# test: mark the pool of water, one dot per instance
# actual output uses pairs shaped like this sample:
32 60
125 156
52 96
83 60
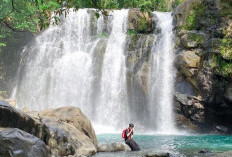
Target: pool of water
178 146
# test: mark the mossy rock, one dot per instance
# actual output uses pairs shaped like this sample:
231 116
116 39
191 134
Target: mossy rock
141 22
193 39
184 14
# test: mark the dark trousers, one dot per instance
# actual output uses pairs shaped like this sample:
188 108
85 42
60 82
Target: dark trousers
133 145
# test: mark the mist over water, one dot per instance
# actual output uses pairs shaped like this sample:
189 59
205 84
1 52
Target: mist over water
83 62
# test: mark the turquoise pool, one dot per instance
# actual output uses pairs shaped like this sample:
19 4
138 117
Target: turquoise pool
177 145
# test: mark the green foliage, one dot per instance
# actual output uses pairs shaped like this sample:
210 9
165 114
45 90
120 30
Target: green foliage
226 10
142 26
226 48
221 66
194 16
35 15
196 37
131 32
177 2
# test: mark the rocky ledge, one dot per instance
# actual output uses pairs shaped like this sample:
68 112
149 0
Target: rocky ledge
65 131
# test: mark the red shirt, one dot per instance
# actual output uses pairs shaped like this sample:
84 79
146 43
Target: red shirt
129 137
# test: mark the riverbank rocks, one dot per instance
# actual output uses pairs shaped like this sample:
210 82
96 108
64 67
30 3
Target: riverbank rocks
17 143
224 154
141 22
113 147
156 155
62 137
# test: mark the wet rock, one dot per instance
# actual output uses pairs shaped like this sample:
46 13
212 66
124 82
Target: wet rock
185 123
63 138
141 22
228 93
192 107
205 151
222 129
156 155
17 143
3 94
113 147
224 154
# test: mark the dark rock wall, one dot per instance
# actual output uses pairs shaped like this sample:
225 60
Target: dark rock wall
204 60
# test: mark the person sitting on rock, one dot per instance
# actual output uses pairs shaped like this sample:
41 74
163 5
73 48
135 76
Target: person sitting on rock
129 138
129 132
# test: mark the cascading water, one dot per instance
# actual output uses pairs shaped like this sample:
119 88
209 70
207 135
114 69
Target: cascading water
56 69
162 77
113 90
88 62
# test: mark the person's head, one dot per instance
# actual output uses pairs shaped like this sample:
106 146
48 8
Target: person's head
131 126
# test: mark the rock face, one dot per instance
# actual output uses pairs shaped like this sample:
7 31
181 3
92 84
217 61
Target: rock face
192 39
113 147
203 28
181 12
141 22
187 63
61 137
17 143
192 108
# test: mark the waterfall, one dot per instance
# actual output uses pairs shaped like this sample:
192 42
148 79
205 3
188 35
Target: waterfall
113 91
88 62
162 77
56 70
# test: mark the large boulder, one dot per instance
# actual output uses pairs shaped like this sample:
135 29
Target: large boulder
17 143
113 147
74 117
141 22
61 137
64 139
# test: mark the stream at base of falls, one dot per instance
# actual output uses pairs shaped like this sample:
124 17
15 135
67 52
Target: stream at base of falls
176 145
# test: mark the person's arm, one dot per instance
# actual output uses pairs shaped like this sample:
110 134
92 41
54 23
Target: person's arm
128 134
132 133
